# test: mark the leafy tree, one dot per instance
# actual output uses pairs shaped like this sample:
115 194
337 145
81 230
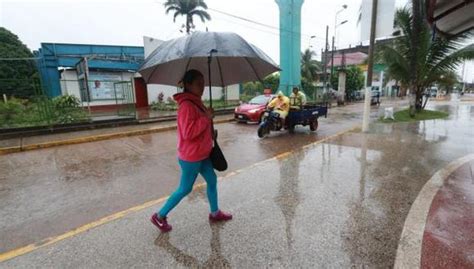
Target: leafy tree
270 82
188 8
354 80
448 81
309 66
16 73
418 60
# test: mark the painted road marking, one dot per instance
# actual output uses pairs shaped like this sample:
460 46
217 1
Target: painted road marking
410 244
54 239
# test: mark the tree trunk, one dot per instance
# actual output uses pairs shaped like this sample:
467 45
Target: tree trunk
403 91
188 24
419 100
426 102
413 98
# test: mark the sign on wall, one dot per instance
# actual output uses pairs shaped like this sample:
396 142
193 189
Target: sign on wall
101 86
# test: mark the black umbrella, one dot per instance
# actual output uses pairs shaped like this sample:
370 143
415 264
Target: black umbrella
236 60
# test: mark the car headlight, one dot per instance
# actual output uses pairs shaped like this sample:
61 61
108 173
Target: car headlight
252 111
236 109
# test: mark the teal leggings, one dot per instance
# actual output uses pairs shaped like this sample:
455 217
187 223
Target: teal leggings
189 173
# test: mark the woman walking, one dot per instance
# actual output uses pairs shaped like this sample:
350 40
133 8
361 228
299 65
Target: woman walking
194 147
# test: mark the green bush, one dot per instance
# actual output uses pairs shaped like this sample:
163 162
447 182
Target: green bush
68 110
163 106
66 101
11 111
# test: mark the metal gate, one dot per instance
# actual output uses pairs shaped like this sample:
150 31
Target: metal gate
124 98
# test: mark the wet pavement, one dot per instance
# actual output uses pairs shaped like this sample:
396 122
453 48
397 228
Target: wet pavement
340 203
38 139
50 191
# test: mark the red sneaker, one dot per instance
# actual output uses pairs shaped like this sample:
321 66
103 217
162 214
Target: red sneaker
162 224
220 216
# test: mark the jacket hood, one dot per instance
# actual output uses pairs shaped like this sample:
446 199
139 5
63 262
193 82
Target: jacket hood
181 97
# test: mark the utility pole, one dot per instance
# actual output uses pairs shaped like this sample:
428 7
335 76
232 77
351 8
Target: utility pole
368 88
332 61
325 60
462 77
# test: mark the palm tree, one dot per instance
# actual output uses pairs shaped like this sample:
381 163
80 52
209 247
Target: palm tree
309 66
417 59
188 8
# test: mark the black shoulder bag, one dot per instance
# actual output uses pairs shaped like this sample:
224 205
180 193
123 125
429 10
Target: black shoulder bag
217 157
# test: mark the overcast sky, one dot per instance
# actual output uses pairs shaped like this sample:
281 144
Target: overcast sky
125 22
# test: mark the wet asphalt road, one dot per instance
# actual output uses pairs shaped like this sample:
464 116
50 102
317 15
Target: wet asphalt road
50 191
338 204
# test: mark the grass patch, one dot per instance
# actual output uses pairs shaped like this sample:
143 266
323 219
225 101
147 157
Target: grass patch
404 116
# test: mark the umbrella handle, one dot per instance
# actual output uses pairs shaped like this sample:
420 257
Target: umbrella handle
209 74
209 59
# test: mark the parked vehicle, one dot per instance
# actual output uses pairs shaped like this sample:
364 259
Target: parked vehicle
253 110
375 98
357 96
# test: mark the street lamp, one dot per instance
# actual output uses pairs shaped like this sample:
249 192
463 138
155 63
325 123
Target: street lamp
333 47
334 36
337 13
335 21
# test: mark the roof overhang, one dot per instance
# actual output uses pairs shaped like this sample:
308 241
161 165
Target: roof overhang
451 17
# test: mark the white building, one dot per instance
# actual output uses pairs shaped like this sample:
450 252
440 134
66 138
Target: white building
385 17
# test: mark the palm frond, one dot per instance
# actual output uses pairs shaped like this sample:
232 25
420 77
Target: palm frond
172 8
451 62
201 14
398 64
201 3
176 14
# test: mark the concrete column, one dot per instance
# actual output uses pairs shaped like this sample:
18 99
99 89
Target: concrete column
342 87
290 44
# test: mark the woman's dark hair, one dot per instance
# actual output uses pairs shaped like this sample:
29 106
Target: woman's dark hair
190 76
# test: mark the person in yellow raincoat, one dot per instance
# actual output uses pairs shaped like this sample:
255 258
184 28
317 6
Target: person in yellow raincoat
281 105
297 99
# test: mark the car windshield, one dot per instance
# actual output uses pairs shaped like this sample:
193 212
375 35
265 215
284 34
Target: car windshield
260 100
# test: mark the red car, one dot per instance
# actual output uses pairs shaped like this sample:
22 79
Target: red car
253 110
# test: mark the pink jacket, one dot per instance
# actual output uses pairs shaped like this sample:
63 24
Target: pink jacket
194 128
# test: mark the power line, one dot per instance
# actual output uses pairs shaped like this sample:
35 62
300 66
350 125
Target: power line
256 22
261 30
259 23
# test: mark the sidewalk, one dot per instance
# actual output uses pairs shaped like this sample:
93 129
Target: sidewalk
342 202
51 140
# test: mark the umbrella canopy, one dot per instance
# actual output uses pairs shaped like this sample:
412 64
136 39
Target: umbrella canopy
235 61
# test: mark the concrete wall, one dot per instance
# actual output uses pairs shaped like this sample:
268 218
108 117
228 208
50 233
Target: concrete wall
168 91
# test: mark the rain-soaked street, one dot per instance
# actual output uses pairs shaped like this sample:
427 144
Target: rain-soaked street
337 204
